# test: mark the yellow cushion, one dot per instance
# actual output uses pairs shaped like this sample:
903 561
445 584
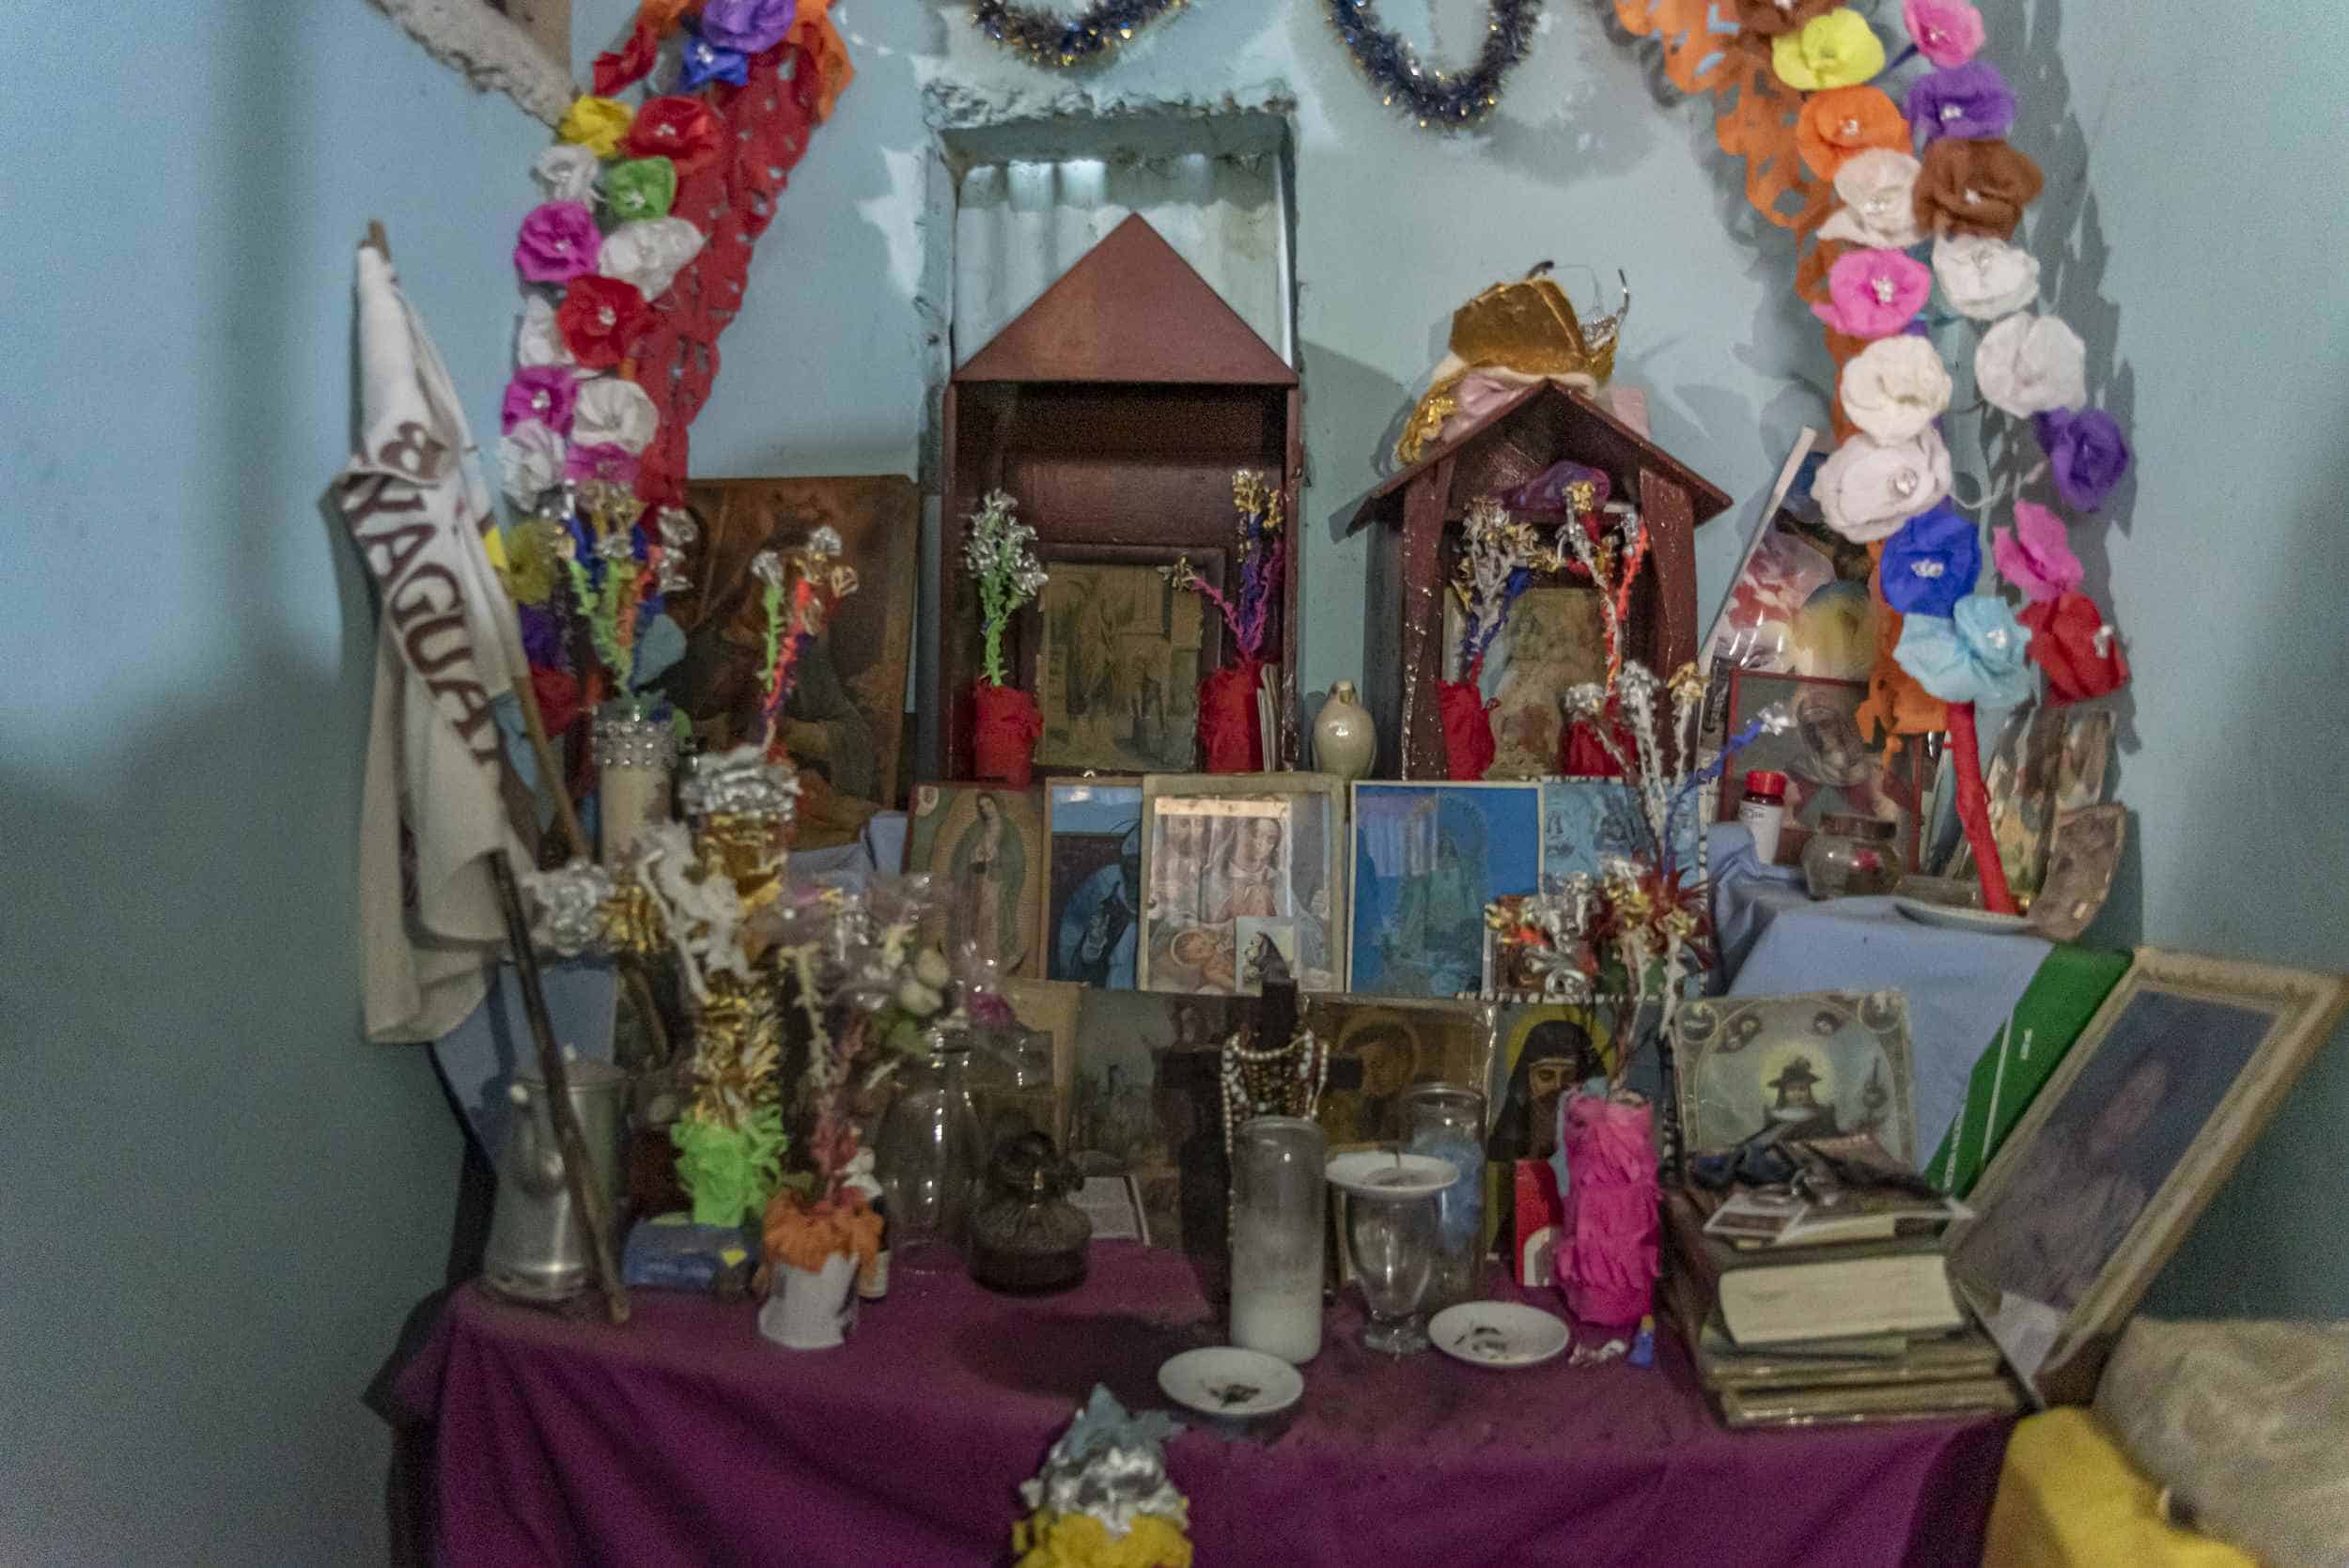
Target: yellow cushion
2068 1498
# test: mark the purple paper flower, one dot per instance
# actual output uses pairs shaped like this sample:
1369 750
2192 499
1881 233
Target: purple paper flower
2036 557
546 393
543 637
615 465
558 242
747 25
705 62
1971 101
2086 450
1931 563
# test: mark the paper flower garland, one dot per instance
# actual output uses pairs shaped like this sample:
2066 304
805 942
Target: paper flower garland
2029 365
1877 189
1984 278
1931 564
1836 49
1974 655
1971 101
2036 556
2086 451
1874 293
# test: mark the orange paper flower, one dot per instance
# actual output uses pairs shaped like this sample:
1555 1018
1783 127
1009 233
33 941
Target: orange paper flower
1847 121
1766 19
1975 187
813 33
803 1235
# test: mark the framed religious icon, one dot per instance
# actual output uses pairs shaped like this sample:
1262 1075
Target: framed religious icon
1236 865
1541 1050
1555 637
1092 894
1830 767
1146 1102
1118 654
844 719
2047 761
1782 1070
1588 822
983 847
2125 1145
1048 1008
1379 1048
1427 858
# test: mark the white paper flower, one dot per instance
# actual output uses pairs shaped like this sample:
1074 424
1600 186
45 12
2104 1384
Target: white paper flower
530 463
614 411
1895 387
567 172
649 253
1985 277
1867 488
538 341
1877 188
2029 365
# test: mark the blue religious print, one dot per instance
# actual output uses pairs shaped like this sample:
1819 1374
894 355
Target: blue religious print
1427 859
1095 918
1588 822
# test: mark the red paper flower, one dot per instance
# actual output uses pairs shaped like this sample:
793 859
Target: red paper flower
601 317
682 129
631 62
557 692
2072 641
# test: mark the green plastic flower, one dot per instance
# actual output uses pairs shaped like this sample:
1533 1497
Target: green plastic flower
1837 50
640 188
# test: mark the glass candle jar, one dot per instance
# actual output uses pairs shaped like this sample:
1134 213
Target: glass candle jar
929 1158
1447 1120
1850 856
635 756
1277 1196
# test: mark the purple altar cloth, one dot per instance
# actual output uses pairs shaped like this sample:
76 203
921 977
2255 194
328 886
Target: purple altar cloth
685 1437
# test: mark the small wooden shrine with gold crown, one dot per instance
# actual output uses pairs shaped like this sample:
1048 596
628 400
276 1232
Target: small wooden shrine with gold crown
1516 395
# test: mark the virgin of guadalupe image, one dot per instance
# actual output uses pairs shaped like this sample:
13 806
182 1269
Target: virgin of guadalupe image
990 869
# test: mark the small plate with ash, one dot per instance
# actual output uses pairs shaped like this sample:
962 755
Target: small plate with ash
1225 1381
1498 1334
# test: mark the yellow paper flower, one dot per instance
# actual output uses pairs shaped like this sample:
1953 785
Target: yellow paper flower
1837 50
1081 1541
599 123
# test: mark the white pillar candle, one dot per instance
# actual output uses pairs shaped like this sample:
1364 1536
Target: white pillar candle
633 758
1277 1200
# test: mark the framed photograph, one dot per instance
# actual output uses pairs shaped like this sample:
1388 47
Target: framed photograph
1221 850
1831 768
1377 1049
1145 1101
1093 895
1555 637
1118 656
983 846
1587 822
844 720
1780 1069
2139 1126
1427 858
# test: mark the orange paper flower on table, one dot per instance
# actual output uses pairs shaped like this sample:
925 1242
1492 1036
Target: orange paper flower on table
682 129
1766 19
1846 121
1975 187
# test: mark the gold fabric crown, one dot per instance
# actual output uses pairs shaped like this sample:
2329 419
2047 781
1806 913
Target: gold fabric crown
1528 328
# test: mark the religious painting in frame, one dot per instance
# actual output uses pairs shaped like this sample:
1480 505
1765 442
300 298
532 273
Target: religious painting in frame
2047 761
1831 768
1782 1070
1555 637
844 720
1227 856
1379 1047
1118 656
1093 895
1426 859
1145 1101
2132 1136
1588 822
1048 1008
982 845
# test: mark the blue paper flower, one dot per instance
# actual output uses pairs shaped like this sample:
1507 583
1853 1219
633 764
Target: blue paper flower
705 62
1974 655
1931 563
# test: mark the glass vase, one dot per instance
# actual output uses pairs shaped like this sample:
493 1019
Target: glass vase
1447 1120
929 1158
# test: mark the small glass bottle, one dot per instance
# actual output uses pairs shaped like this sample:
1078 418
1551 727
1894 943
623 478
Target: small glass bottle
1763 810
1850 856
1277 1197
1447 1120
929 1158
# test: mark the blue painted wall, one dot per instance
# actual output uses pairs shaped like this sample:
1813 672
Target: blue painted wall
253 1197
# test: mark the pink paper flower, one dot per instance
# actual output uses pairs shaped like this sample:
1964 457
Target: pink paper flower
612 464
2036 556
547 394
1874 293
558 242
1947 32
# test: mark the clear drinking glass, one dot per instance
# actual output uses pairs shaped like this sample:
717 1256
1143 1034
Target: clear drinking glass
1394 1243
1277 1195
1447 1120
929 1158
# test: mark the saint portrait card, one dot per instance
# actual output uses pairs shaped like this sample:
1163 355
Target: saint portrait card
1235 863
1427 858
1093 897
1831 768
983 847
1764 1070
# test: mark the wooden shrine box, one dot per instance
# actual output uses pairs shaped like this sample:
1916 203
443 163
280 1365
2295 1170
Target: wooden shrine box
1412 551
1114 410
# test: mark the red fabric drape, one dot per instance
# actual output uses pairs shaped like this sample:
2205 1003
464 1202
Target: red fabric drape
1229 741
1467 728
1003 733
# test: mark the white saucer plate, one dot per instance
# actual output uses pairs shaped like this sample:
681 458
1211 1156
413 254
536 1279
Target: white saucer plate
1224 1380
1953 917
1498 1334
1383 1173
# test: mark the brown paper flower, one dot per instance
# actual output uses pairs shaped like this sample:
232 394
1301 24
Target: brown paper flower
1768 17
1975 187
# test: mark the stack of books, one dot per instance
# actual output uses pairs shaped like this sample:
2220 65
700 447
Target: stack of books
1800 1315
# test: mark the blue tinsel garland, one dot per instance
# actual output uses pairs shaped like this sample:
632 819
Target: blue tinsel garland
1064 42
1437 100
